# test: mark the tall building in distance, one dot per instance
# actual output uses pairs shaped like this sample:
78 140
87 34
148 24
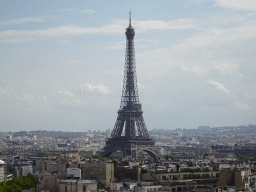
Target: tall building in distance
135 137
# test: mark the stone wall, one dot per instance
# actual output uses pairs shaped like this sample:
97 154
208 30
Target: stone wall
49 182
231 178
149 177
238 180
102 172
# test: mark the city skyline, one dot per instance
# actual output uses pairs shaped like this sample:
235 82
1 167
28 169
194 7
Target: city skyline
62 63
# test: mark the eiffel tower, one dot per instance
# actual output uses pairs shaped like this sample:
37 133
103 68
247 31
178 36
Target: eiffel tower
136 137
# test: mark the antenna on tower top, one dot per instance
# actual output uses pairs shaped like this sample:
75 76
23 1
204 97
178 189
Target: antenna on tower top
130 19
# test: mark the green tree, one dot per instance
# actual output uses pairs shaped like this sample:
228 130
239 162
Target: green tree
57 154
106 159
245 157
45 154
15 188
97 157
1 188
86 155
15 185
32 178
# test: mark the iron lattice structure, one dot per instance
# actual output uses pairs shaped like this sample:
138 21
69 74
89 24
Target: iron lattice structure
135 137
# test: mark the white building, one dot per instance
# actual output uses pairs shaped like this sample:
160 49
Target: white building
23 170
2 170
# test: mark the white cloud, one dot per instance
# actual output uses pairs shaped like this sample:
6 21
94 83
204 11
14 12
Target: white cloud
100 87
142 26
18 101
45 99
215 50
197 70
61 31
224 18
141 86
116 28
219 86
88 11
64 98
78 101
217 35
62 41
23 20
27 97
8 90
16 40
248 5
250 94
41 103
242 106
225 67
74 61
66 93
116 47
148 40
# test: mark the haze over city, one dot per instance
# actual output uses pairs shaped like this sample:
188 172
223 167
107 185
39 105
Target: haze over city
62 63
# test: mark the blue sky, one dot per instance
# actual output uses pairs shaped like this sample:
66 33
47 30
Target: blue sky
62 63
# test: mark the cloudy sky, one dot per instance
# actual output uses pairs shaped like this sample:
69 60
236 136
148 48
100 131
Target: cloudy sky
62 63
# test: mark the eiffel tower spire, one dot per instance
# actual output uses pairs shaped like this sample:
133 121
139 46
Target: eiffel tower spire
136 137
130 20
